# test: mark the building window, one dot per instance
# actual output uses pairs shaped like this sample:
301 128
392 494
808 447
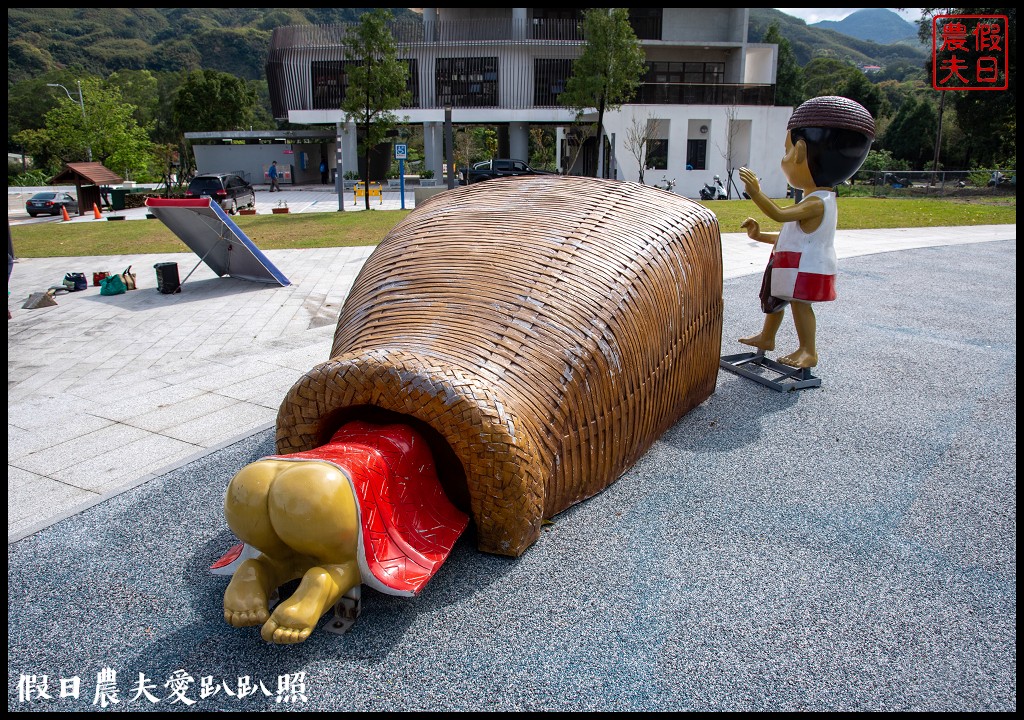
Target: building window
549 77
467 82
646 23
330 82
696 154
676 83
555 13
557 23
657 154
412 83
689 72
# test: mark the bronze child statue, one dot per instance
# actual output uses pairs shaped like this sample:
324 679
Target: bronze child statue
827 141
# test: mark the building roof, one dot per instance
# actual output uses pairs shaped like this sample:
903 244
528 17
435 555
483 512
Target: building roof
92 173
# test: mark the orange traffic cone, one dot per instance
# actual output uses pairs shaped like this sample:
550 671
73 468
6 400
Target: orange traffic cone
64 212
96 212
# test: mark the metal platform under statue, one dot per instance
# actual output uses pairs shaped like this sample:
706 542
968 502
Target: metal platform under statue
769 372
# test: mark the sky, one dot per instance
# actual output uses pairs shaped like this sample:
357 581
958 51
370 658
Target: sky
813 15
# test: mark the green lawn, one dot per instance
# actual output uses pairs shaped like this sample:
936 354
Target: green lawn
337 229
863 213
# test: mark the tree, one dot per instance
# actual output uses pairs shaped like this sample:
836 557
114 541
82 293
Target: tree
164 165
789 82
858 87
262 118
638 138
138 88
576 138
911 134
542 148
107 128
377 82
827 76
878 162
28 101
473 144
732 130
609 70
208 101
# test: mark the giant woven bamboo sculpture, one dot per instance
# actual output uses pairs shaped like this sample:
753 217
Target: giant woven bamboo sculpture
542 332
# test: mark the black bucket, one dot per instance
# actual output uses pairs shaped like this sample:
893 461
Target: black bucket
167 280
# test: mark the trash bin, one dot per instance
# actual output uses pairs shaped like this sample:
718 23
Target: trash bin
117 198
167 280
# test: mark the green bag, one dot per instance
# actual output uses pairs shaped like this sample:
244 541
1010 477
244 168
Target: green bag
112 285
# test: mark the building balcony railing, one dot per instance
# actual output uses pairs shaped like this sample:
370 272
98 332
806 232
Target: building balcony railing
488 95
444 32
462 31
705 94
407 34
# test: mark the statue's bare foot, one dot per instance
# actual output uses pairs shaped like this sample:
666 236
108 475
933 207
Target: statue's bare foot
294 619
762 343
800 359
245 600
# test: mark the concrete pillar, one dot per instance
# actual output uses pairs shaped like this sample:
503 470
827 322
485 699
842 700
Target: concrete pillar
559 139
349 148
344 158
430 24
519 141
449 147
432 146
519 23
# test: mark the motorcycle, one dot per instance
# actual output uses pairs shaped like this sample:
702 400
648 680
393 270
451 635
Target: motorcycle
998 179
666 184
716 192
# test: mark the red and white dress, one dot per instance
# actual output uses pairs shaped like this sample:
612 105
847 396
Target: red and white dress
804 265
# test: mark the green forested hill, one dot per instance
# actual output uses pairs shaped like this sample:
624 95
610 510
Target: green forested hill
102 40
880 25
809 42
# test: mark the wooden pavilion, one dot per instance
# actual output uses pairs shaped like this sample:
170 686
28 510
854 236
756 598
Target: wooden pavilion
88 178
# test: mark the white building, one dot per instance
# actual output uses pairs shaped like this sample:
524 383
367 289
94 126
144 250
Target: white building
708 92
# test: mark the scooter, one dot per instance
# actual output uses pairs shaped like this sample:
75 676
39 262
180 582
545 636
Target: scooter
666 184
997 179
716 192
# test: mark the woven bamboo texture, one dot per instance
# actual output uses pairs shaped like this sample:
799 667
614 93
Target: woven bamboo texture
549 329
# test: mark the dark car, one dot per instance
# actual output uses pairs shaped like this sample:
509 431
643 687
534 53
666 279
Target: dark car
50 202
496 168
230 191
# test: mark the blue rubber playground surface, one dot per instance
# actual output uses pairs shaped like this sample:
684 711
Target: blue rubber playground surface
847 547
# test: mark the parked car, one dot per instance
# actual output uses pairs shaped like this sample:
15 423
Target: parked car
50 202
231 192
499 167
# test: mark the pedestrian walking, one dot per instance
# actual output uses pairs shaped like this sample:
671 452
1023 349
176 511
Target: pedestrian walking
272 174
